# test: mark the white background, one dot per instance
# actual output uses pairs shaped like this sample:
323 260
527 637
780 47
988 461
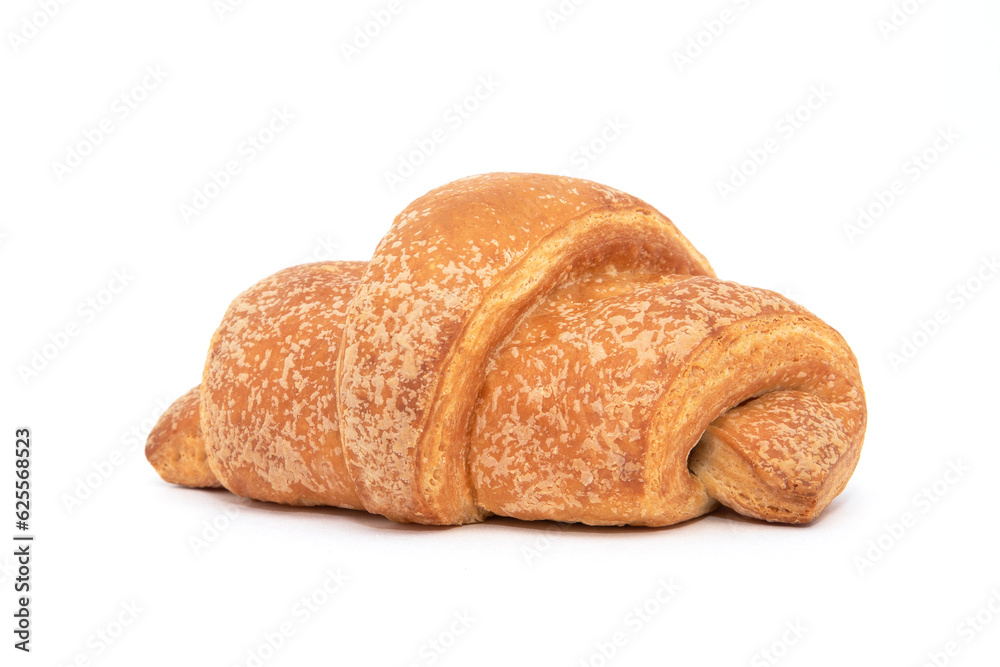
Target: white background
538 594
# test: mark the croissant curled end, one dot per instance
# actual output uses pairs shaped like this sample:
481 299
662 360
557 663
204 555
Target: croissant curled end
176 448
784 456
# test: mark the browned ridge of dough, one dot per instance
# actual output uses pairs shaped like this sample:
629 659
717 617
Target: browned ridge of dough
267 395
525 345
446 285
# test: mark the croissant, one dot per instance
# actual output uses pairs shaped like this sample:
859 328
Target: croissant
529 346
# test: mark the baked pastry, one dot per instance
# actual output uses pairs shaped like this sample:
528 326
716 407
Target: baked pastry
524 345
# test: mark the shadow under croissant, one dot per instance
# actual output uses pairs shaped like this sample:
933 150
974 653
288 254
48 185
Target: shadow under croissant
379 522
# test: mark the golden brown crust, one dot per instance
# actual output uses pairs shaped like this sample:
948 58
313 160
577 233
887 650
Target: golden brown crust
792 353
781 457
175 447
537 347
591 409
446 285
268 408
